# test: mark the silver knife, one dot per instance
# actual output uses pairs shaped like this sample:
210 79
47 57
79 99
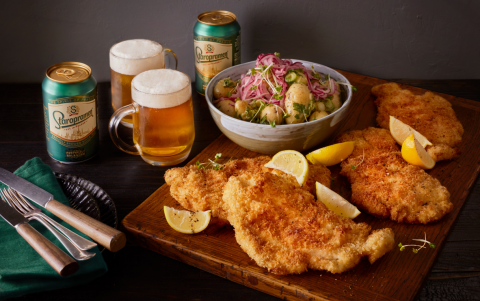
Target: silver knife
106 236
63 264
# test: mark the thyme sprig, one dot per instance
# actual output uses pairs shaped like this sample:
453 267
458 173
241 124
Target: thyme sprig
419 247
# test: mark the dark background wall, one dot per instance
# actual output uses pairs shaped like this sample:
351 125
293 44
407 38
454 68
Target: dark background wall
385 39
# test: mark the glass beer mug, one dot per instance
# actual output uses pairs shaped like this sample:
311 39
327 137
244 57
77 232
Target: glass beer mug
162 114
130 58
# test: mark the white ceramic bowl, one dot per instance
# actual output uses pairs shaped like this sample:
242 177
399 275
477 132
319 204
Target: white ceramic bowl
263 138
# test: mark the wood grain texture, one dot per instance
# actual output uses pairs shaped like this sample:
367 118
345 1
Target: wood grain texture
63 264
110 238
397 276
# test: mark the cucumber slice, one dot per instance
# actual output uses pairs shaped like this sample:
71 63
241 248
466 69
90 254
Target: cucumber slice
291 77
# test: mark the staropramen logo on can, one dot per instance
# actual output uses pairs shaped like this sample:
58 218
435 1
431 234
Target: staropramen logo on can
209 56
72 122
212 55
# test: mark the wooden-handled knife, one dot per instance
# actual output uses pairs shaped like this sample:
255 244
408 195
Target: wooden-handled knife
63 264
106 236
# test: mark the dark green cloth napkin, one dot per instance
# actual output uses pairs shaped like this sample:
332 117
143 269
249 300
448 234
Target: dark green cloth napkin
22 270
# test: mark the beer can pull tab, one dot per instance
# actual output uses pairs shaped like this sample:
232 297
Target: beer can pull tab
217 17
65 72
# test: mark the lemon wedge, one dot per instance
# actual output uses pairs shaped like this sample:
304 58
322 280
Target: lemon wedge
414 153
335 202
332 154
186 221
400 131
291 162
311 158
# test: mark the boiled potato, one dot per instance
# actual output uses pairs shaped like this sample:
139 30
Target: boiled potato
301 79
220 90
226 106
317 115
274 114
240 107
320 106
258 103
337 103
297 93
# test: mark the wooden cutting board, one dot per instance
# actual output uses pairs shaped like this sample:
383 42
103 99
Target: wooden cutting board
396 276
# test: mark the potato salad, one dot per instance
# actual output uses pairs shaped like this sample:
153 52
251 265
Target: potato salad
278 91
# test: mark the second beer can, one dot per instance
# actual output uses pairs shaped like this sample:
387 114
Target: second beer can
216 42
71 112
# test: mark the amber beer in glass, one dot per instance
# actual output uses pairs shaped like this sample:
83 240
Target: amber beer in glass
162 113
128 59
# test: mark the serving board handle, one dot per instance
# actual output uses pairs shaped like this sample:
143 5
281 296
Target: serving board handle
110 238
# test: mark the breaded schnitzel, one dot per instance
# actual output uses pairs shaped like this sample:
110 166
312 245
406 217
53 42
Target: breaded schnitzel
429 114
283 229
386 186
201 189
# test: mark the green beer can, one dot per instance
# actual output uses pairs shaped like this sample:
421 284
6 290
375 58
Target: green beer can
71 112
216 42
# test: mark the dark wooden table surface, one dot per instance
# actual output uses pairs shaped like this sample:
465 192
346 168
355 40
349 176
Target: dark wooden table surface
139 274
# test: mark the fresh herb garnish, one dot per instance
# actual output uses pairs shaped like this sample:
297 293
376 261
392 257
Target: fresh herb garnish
253 87
213 164
200 165
353 167
227 82
277 54
354 89
302 110
229 94
259 110
415 250
249 112
278 88
253 71
272 124
277 96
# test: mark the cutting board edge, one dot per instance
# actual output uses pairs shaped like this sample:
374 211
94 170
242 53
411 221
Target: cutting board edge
228 270
465 102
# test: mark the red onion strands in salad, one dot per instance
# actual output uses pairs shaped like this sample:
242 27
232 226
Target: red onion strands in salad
268 75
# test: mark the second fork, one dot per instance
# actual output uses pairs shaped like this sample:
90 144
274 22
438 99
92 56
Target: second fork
72 249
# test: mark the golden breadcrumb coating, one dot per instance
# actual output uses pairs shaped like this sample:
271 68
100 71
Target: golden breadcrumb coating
201 189
386 186
429 114
283 229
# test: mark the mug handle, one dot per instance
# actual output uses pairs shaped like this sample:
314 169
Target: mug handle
113 125
170 52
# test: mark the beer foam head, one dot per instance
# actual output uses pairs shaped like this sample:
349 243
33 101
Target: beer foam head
132 57
161 88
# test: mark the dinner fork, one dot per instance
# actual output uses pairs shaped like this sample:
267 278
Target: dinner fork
76 253
77 240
